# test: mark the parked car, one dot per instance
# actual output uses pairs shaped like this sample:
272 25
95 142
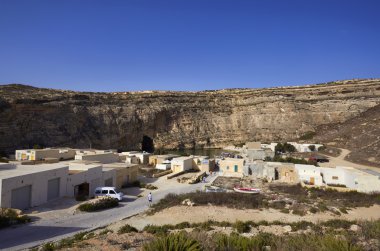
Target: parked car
319 159
108 191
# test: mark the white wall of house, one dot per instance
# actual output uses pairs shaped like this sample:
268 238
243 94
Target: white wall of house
181 164
101 157
109 173
37 178
163 166
336 176
308 173
91 175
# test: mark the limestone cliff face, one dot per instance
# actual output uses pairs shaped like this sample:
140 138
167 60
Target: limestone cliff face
175 119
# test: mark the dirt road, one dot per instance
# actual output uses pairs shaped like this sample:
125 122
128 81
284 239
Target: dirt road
340 161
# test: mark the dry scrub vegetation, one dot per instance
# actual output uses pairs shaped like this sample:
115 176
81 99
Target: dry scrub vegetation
334 235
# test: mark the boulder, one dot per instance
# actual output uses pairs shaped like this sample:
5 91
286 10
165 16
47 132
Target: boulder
354 228
287 228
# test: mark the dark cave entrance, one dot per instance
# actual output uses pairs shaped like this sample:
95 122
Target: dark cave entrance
147 144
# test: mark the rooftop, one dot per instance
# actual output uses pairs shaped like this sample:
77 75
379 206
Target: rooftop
29 169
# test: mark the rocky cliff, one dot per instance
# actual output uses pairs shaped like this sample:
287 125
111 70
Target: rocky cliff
50 117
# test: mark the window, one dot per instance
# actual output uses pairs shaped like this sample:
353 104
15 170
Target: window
235 168
335 177
112 192
98 191
104 191
227 167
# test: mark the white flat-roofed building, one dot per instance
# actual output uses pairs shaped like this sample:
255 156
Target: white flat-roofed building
181 164
27 186
46 153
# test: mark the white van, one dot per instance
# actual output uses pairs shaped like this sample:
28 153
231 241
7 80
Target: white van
108 191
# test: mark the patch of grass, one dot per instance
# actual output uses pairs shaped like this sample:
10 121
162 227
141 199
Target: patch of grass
242 227
337 223
173 242
127 229
182 225
159 230
370 229
237 242
101 204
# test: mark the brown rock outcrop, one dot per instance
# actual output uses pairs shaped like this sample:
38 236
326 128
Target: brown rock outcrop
176 119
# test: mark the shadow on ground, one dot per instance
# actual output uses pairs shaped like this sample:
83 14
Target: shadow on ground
10 238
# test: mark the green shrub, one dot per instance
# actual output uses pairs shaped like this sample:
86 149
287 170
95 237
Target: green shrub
182 225
103 203
48 246
238 242
301 225
336 223
242 227
9 217
105 231
160 230
313 210
127 229
343 210
370 229
322 207
173 242
314 242
308 135
278 204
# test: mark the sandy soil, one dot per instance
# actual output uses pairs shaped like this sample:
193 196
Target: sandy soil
195 214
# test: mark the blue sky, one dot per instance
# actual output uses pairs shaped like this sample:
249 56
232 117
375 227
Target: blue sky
99 45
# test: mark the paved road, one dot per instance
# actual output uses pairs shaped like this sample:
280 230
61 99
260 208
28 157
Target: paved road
47 230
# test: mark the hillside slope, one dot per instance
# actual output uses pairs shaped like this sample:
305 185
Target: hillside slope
360 134
50 117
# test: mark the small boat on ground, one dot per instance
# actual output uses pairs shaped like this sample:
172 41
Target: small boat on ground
246 190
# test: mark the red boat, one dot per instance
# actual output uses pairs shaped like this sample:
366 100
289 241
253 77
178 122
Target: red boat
246 190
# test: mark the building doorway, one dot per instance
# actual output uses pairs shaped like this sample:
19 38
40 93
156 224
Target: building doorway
82 190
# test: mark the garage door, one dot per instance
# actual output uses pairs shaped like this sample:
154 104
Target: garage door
53 189
21 197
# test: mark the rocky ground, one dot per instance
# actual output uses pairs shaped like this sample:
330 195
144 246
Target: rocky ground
361 135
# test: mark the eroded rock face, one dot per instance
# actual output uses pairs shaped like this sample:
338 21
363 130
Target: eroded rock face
175 119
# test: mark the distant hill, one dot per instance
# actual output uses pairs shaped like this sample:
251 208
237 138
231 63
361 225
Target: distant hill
127 120
360 134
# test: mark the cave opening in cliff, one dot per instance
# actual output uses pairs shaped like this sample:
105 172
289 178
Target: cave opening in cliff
147 144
